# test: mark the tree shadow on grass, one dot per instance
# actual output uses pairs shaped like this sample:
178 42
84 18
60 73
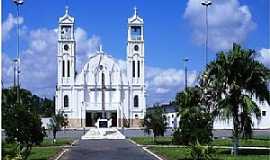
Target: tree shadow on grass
160 142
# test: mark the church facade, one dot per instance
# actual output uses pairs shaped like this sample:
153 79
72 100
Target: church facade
101 90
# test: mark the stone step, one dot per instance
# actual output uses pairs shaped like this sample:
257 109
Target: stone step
103 133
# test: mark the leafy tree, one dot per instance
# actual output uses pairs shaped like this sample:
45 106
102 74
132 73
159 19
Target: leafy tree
232 82
21 122
195 121
56 123
44 106
47 107
156 121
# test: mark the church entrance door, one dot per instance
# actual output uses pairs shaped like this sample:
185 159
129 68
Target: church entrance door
88 120
114 119
92 117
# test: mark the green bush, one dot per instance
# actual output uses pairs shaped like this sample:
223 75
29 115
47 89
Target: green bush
196 121
199 152
177 137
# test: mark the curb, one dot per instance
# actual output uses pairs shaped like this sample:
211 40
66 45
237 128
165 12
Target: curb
145 149
222 147
65 149
61 154
139 145
150 152
74 142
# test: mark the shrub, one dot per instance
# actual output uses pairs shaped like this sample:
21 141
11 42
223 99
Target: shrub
177 138
199 152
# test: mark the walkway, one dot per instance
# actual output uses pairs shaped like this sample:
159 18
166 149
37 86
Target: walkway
106 150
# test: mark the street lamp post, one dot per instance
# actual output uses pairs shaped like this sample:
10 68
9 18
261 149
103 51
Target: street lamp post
18 3
14 70
206 3
185 65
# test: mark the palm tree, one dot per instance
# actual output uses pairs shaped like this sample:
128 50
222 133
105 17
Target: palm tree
195 121
156 121
233 81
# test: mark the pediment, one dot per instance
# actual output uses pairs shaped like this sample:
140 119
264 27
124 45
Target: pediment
135 20
66 19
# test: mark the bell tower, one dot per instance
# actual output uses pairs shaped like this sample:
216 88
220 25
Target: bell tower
66 50
135 69
135 50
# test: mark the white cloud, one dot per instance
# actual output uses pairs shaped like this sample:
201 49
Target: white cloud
85 46
9 24
7 70
265 56
228 22
163 84
162 90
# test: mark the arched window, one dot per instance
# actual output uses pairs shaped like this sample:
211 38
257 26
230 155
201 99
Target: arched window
103 79
133 68
136 101
66 101
63 68
138 64
68 68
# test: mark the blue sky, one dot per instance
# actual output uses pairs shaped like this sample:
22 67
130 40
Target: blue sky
173 30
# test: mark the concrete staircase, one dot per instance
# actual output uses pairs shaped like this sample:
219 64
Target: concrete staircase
103 133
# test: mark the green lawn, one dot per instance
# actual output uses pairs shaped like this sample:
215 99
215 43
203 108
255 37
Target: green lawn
59 142
221 154
40 152
43 153
244 143
150 140
216 142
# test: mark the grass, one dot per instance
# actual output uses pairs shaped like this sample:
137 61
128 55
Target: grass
244 143
221 154
217 142
150 140
40 152
43 153
59 142
264 137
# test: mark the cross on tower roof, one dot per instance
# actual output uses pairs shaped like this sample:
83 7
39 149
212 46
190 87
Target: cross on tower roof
100 49
135 10
67 9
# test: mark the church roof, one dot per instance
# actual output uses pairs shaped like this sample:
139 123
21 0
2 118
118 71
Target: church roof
102 62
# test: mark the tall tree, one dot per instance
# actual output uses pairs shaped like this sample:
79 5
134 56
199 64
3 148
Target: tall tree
155 120
21 122
47 107
232 82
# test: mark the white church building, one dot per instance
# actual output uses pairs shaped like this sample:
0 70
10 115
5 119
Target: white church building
101 90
